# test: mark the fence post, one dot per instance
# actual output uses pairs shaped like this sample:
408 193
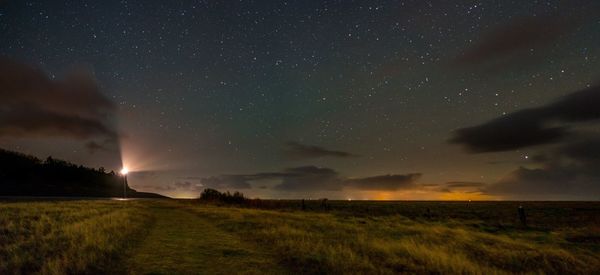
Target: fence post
522 216
324 204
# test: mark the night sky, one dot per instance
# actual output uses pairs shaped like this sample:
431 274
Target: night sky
311 99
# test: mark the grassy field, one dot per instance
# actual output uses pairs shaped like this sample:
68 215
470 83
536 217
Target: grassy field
68 237
181 237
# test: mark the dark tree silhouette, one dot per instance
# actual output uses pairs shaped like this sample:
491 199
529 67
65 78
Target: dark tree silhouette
213 195
24 175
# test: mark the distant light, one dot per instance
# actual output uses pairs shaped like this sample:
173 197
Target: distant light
124 171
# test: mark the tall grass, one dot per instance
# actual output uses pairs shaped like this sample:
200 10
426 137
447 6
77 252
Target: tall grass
67 237
326 243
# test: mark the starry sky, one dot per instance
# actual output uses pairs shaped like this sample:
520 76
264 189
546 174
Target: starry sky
310 99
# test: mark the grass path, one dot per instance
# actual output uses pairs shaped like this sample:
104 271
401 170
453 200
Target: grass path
183 243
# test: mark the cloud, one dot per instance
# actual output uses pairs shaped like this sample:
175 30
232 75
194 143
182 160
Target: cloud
33 121
517 130
176 186
227 182
533 126
156 188
384 182
309 178
518 36
188 185
297 150
297 178
313 178
460 184
584 151
570 169
93 146
33 105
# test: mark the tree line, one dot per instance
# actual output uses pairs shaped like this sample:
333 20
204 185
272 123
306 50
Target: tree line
25 175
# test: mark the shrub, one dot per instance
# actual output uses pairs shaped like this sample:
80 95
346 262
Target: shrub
213 195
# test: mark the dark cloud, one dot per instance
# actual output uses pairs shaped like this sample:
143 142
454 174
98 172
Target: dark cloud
313 178
297 178
32 121
518 36
462 187
533 126
586 150
33 105
106 146
384 182
430 185
297 150
188 185
177 186
228 182
157 187
460 184
570 169
567 169
309 178
94 147
517 130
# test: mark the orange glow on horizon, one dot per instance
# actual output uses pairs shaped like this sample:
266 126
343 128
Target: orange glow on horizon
462 196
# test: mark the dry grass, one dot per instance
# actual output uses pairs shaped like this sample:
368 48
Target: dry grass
67 237
92 237
326 243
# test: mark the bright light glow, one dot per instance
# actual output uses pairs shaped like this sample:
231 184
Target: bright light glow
124 171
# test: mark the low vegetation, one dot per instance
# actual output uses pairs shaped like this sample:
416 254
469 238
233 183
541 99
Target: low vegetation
212 195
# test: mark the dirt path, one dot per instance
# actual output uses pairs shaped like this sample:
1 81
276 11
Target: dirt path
183 243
